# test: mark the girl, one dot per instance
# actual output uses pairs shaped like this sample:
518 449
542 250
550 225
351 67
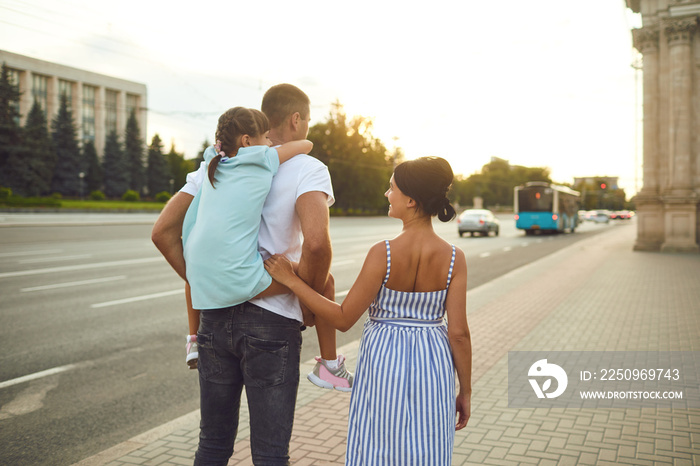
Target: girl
220 231
402 409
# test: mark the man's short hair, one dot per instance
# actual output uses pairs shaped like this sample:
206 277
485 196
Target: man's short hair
281 101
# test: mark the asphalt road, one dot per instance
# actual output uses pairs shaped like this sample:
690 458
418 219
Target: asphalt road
92 323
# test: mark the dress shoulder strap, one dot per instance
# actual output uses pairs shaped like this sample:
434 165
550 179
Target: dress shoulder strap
452 265
388 261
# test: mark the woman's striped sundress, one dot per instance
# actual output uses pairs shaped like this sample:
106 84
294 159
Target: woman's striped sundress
402 409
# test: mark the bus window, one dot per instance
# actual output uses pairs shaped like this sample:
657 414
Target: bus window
535 200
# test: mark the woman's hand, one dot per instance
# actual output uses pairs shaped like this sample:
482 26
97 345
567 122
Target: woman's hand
281 269
464 409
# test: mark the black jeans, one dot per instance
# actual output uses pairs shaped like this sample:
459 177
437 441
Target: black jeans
239 346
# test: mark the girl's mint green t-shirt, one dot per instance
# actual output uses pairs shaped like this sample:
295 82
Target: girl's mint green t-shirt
220 230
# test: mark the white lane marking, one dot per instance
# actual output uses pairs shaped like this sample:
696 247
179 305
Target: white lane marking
353 239
507 248
54 259
30 253
485 254
37 375
70 268
139 298
344 262
67 284
340 294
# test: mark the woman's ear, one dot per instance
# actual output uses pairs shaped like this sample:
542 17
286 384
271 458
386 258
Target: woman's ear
411 202
245 141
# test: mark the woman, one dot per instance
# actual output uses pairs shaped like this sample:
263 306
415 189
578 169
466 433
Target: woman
402 409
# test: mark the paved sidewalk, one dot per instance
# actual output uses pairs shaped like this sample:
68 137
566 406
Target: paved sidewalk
596 295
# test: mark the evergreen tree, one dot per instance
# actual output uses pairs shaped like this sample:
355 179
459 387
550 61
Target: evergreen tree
133 154
10 131
178 166
158 173
114 167
68 157
93 170
35 168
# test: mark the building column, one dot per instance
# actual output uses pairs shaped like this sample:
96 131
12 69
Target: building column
100 127
25 100
680 201
78 111
53 103
122 117
650 215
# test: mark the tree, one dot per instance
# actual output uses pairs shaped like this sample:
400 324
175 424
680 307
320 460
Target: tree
34 170
133 154
359 163
495 183
178 166
157 173
68 155
92 169
114 167
10 131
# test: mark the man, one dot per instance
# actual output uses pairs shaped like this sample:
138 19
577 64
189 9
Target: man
257 344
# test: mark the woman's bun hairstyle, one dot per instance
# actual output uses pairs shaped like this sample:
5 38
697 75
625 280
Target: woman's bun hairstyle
427 181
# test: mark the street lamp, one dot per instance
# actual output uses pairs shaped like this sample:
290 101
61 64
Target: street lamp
81 175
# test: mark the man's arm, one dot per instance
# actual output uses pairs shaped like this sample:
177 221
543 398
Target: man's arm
316 253
167 231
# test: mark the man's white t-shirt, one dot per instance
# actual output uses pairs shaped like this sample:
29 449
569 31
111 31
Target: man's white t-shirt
280 228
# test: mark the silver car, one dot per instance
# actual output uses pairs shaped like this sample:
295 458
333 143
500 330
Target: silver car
480 221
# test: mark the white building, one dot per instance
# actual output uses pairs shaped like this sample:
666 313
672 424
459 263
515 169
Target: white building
100 104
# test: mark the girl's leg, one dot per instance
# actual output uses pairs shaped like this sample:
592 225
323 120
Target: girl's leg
192 314
329 371
324 330
192 353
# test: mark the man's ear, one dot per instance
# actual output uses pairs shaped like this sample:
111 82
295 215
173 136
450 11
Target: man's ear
294 120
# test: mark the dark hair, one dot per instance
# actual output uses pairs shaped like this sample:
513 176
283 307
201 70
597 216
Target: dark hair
233 124
282 100
427 180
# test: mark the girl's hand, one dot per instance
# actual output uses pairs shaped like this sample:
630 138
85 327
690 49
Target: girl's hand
464 409
280 269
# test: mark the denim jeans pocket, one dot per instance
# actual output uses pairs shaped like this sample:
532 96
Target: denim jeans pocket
208 364
265 361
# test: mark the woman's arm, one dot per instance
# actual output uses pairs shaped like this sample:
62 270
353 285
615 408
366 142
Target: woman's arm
459 336
289 149
360 296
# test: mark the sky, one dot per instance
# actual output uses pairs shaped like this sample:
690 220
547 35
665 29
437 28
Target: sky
547 83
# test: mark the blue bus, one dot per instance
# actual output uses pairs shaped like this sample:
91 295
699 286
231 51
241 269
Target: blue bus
540 206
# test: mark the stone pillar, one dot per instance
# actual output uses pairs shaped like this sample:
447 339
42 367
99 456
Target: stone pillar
650 215
680 201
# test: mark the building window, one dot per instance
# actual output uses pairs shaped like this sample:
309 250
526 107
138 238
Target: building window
132 105
89 113
111 111
66 88
40 86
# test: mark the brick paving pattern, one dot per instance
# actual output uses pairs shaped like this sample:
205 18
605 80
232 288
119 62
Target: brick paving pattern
596 295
